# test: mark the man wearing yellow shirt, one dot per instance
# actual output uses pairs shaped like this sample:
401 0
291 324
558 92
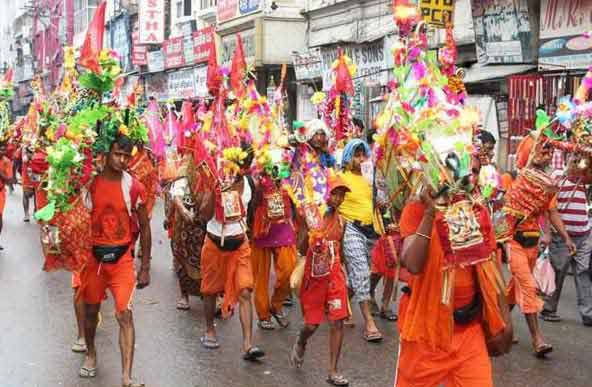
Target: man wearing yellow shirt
359 236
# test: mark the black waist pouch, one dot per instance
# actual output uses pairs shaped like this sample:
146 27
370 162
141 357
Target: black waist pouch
468 313
367 230
109 254
526 241
230 244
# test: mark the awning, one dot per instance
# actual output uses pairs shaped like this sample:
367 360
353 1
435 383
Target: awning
479 73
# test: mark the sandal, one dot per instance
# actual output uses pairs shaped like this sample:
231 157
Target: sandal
388 316
337 380
288 301
542 350
295 360
253 354
79 346
209 342
182 304
87 373
280 318
133 384
266 325
373 337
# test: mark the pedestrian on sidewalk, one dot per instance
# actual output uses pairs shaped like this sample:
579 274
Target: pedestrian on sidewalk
572 204
323 291
117 207
359 236
226 254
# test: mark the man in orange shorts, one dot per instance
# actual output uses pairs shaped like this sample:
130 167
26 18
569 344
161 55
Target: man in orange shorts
114 198
5 178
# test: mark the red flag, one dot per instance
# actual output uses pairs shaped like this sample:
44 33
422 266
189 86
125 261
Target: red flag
214 80
343 79
238 70
93 42
8 75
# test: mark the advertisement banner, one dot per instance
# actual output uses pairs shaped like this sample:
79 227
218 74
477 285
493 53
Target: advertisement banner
308 65
181 84
438 13
502 31
561 43
202 41
151 19
173 53
231 9
156 85
119 39
188 53
155 61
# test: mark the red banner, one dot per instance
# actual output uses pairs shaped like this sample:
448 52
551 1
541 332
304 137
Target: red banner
173 53
202 41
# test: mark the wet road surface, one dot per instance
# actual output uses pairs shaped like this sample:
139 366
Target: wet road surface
37 328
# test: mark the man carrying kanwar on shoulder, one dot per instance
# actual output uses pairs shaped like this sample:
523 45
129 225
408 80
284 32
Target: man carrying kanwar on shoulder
226 254
454 314
116 200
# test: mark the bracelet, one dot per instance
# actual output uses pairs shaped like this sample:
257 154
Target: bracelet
424 236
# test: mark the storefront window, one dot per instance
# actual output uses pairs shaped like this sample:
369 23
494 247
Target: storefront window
205 4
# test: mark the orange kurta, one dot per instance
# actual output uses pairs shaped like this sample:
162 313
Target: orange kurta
433 348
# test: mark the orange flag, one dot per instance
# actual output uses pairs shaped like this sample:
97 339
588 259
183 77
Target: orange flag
214 80
238 70
93 42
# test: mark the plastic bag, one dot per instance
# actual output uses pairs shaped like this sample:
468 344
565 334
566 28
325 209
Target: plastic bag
544 274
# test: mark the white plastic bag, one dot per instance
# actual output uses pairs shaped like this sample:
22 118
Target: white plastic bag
544 274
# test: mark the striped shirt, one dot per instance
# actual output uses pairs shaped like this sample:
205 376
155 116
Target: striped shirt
572 205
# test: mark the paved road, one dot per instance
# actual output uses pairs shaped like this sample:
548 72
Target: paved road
37 327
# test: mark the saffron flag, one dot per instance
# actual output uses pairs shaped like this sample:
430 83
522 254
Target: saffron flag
214 80
93 42
238 70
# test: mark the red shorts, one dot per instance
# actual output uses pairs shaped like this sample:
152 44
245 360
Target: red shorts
2 200
324 295
119 278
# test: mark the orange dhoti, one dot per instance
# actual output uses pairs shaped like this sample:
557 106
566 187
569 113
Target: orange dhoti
465 364
225 272
284 261
522 289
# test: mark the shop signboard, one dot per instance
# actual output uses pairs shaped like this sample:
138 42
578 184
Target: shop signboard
232 9
151 19
502 31
119 39
249 47
308 65
370 59
181 84
562 44
173 53
139 52
438 13
188 52
155 61
202 41
200 77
